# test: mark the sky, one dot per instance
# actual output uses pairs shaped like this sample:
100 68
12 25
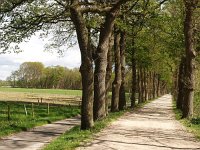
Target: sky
33 50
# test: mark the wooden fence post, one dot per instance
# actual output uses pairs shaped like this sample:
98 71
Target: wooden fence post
25 109
48 108
9 113
33 114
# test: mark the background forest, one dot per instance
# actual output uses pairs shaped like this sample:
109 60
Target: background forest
35 75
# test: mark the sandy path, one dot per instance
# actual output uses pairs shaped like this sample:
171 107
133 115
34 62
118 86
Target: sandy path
151 128
37 137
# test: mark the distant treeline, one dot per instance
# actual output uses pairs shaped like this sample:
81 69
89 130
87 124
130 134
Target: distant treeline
36 75
4 83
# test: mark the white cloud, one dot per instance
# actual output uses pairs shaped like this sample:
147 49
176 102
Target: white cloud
34 51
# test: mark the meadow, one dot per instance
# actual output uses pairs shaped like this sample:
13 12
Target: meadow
43 91
53 96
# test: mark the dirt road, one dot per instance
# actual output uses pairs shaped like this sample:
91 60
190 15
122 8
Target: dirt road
151 128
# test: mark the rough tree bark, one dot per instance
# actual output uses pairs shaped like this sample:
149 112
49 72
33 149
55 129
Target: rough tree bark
134 77
122 96
142 84
101 61
117 81
86 68
181 74
158 86
150 85
145 84
154 85
139 85
175 84
109 72
189 81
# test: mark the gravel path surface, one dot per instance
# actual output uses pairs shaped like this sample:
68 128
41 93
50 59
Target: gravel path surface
150 128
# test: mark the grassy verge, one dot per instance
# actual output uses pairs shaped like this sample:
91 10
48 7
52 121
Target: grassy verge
19 121
72 139
192 125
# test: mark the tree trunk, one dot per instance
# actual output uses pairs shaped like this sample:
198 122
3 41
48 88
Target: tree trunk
108 73
158 86
117 81
142 84
154 85
175 84
122 96
86 68
190 59
134 78
181 74
139 85
150 85
164 87
87 96
101 63
145 84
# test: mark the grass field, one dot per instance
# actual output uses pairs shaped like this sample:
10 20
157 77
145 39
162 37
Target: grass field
43 91
20 122
55 96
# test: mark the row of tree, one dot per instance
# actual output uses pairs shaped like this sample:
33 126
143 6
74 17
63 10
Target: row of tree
148 34
35 75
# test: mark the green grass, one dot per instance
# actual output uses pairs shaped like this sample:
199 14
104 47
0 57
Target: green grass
20 122
43 91
192 125
73 138
48 91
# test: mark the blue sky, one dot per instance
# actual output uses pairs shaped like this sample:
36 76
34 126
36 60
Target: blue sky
33 50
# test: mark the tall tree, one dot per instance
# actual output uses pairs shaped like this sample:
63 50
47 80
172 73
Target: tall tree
109 72
122 96
86 68
190 54
101 62
117 81
181 75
